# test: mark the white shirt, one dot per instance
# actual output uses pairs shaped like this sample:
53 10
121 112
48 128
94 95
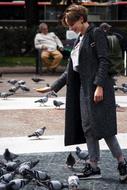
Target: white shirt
75 54
50 40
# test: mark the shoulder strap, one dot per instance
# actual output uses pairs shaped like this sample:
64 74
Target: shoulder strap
92 34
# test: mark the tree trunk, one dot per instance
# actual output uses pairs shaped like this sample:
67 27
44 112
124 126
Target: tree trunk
31 13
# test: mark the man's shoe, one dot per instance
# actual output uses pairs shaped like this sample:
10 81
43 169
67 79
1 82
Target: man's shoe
122 167
89 173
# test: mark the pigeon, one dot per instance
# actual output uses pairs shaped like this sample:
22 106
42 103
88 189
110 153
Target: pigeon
12 81
3 186
124 85
21 82
9 156
23 167
17 184
57 103
13 89
37 79
43 100
12 165
82 154
70 161
39 132
56 185
4 95
52 93
24 88
7 177
73 182
3 171
39 175
118 106
124 89
116 87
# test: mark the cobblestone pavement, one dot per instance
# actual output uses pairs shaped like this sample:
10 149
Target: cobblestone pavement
54 165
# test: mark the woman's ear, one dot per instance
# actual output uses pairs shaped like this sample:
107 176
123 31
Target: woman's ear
82 20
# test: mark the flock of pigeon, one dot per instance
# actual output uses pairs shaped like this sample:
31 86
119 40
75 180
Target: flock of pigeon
16 85
16 174
21 84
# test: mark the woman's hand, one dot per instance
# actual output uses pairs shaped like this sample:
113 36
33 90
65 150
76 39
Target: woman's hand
44 89
98 94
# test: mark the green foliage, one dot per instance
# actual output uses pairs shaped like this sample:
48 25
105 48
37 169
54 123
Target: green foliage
16 41
16 61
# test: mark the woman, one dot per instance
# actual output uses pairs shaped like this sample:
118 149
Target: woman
90 100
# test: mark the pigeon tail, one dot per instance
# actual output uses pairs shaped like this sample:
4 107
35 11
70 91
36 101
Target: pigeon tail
32 135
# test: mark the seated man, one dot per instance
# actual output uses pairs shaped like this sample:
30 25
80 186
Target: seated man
48 42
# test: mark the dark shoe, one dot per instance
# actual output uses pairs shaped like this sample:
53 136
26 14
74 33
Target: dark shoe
90 173
122 167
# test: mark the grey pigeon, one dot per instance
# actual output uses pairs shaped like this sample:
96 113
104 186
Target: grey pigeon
22 169
3 186
124 85
124 89
56 185
13 89
43 100
3 171
118 106
21 82
9 156
82 154
7 177
24 88
4 95
35 79
116 88
17 184
12 165
73 182
12 81
52 93
39 132
39 175
57 103
70 160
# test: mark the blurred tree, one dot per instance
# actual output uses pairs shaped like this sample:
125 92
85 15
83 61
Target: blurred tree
31 13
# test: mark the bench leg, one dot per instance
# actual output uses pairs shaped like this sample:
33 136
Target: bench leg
39 63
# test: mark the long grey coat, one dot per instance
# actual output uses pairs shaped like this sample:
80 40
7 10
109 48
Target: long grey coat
93 71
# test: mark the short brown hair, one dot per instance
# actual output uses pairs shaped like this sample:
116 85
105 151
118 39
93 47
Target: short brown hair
73 13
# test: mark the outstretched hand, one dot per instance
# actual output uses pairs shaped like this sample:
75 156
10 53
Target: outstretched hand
44 89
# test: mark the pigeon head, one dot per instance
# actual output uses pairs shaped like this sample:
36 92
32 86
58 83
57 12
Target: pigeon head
78 149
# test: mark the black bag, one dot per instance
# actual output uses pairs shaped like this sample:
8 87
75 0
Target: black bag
115 54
